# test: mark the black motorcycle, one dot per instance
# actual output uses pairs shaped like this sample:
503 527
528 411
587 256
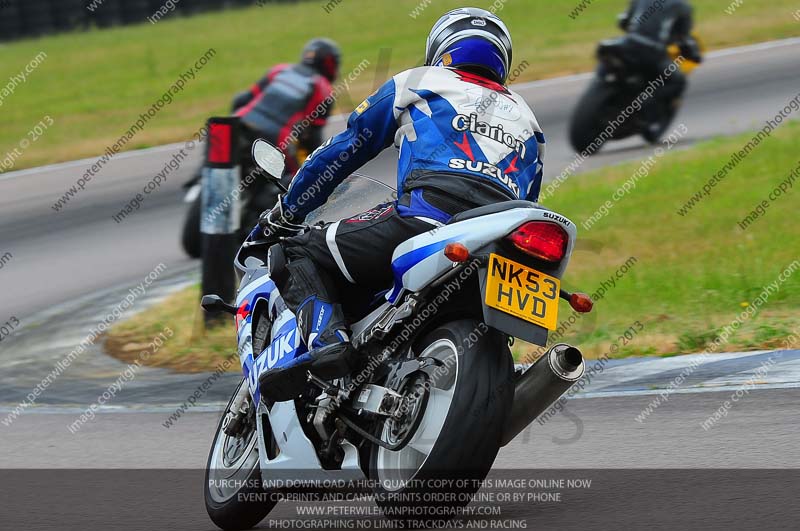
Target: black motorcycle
257 196
622 102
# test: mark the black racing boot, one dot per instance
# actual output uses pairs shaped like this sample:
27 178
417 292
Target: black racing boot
321 324
330 354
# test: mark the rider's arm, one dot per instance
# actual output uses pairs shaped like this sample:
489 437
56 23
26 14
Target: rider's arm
241 99
624 19
536 186
682 26
322 102
370 129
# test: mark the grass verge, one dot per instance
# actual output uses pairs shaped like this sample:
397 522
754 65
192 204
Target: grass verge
693 274
192 348
683 279
95 84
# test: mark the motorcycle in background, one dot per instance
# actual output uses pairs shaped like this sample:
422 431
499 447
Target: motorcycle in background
438 395
618 82
257 195
255 198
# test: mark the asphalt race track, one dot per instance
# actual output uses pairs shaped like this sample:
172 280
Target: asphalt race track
69 267
640 474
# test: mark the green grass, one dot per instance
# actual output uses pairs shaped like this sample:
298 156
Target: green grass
95 84
693 274
192 348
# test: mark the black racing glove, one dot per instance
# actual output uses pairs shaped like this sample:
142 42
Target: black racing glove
276 222
624 21
690 49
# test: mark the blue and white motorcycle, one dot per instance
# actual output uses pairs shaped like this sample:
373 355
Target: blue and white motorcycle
438 396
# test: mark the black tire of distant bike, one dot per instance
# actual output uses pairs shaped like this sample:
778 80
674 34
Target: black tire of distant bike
667 114
191 239
589 117
471 435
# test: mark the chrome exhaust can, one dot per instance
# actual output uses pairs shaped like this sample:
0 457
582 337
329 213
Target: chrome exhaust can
541 385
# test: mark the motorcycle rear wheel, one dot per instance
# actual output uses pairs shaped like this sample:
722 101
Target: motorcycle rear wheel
460 432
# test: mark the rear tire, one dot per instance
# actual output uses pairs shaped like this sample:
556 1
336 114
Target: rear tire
468 441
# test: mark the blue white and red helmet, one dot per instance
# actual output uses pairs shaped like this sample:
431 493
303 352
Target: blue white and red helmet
472 39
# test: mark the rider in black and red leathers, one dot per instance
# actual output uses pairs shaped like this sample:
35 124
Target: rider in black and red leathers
289 105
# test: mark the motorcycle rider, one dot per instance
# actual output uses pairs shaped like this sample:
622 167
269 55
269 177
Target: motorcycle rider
464 140
652 25
276 106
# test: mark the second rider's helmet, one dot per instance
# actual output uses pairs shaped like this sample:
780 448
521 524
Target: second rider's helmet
322 55
472 39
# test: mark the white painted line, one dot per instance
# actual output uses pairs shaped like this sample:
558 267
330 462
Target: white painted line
89 161
769 45
53 409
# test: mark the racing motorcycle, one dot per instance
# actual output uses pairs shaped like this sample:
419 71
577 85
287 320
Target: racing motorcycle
616 85
257 195
438 395
253 200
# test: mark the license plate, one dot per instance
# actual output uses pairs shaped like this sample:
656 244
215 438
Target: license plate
522 291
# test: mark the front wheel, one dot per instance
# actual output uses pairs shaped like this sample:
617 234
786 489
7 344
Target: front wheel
191 239
653 131
233 494
453 420
588 119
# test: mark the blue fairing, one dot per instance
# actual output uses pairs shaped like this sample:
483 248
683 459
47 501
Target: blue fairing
286 344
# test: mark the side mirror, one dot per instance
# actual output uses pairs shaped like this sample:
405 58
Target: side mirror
213 304
269 158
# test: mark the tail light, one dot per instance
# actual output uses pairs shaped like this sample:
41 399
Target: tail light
220 142
541 239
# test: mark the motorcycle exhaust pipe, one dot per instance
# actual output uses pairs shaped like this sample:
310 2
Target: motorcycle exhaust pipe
541 385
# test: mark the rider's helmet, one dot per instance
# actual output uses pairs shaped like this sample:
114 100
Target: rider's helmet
322 55
472 39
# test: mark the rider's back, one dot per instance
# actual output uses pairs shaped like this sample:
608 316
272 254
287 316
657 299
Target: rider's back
465 135
292 93
659 20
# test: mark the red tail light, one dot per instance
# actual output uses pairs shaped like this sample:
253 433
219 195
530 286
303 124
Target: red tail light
219 143
541 239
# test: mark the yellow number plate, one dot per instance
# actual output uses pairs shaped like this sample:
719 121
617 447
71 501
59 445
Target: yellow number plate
522 292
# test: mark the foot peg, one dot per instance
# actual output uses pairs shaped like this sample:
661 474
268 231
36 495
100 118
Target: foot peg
328 363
